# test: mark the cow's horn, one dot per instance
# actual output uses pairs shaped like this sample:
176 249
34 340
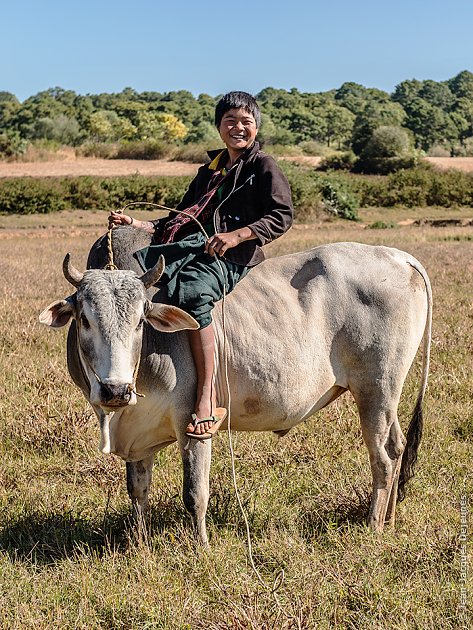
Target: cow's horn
152 275
71 274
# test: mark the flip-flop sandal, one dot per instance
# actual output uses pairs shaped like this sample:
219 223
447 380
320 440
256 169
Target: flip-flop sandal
217 418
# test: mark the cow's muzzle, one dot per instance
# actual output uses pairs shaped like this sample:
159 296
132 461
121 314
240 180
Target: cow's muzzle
115 395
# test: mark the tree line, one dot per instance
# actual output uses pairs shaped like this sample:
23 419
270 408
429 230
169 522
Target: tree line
425 116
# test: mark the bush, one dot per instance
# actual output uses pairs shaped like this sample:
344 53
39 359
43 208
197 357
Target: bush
422 186
338 162
193 152
381 225
104 150
144 150
388 142
29 196
388 150
339 201
313 194
305 191
12 145
439 150
384 165
465 149
314 148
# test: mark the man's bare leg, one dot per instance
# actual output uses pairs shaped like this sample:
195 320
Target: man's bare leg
202 342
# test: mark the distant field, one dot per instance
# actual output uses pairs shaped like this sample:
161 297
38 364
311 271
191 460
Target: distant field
95 166
71 166
68 558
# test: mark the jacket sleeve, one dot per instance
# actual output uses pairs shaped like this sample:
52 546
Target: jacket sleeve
274 202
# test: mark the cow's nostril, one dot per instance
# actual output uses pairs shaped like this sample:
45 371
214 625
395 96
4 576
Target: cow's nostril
106 392
117 393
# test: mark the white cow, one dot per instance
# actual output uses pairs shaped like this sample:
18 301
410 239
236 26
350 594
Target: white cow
301 330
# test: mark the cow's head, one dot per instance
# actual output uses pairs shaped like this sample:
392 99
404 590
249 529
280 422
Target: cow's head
110 308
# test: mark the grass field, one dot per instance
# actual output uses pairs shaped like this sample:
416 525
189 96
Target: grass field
69 557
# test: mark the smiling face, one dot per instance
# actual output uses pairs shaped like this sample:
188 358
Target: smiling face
238 130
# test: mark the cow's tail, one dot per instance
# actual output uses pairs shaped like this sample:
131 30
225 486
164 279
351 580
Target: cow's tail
414 432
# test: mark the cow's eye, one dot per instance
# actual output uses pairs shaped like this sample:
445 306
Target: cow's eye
140 324
84 321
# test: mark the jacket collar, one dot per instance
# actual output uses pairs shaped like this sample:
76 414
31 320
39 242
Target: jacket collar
216 155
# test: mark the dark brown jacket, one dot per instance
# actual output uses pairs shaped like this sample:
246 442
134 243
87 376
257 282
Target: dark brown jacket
257 195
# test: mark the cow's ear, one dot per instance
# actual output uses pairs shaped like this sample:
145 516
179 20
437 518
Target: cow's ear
166 318
58 313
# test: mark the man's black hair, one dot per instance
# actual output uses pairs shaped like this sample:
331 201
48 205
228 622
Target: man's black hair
237 100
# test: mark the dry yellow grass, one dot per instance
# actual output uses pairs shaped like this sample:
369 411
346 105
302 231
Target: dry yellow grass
67 164
68 558
95 166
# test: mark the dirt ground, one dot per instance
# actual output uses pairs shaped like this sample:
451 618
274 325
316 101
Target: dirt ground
95 166
109 168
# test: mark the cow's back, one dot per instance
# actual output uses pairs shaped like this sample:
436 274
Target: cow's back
300 324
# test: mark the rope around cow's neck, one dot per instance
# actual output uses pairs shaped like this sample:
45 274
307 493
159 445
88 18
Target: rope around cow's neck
280 576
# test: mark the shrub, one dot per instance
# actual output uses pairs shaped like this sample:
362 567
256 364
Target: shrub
465 149
61 129
104 150
312 147
305 191
338 162
388 150
438 150
144 150
313 192
339 201
381 225
12 145
388 142
193 152
384 165
28 196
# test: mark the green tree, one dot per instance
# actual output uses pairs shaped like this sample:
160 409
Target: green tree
462 85
406 91
340 124
203 132
160 126
108 126
61 129
429 124
374 115
437 94
388 142
9 106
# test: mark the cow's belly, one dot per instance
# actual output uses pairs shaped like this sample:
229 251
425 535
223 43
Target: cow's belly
285 398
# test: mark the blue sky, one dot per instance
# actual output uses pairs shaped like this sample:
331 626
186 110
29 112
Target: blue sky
94 46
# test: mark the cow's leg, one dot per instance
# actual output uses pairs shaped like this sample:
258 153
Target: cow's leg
196 456
138 482
384 439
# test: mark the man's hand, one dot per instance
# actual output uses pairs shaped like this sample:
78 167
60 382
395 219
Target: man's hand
218 244
118 219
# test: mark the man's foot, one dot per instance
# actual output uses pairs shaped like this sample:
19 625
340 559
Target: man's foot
210 424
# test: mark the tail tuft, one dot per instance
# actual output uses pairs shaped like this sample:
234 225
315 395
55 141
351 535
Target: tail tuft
409 457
